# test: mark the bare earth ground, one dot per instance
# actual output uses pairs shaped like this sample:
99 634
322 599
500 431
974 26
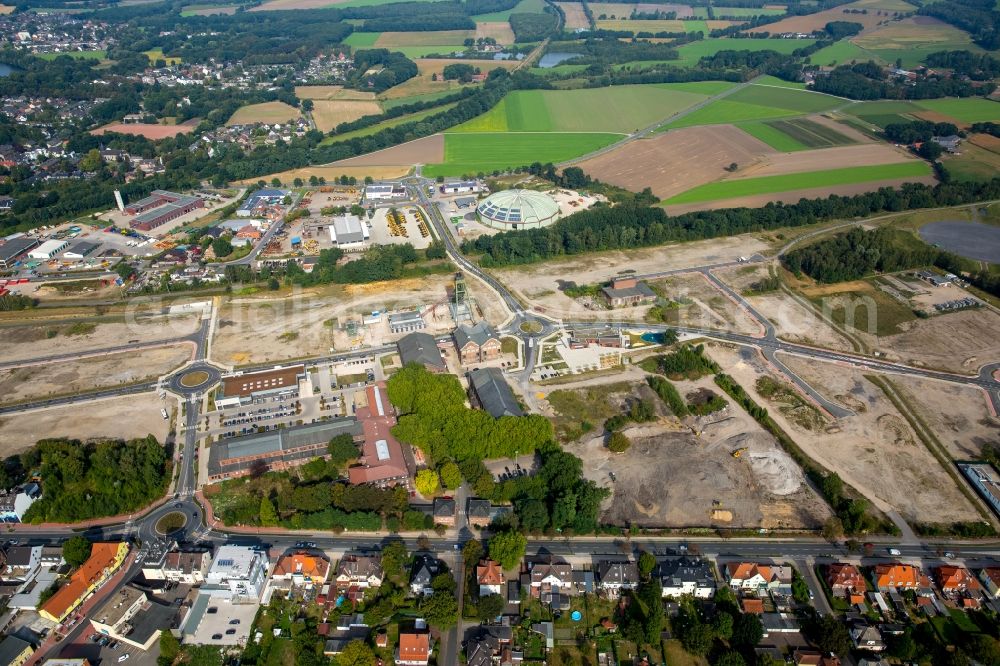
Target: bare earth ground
331 172
265 112
392 39
333 92
428 150
625 9
792 321
85 421
538 284
490 306
656 163
875 450
794 196
149 131
958 415
819 20
428 66
839 157
40 381
330 113
420 85
709 307
252 330
500 31
672 478
32 341
575 17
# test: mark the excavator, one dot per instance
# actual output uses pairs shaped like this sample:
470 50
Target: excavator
738 452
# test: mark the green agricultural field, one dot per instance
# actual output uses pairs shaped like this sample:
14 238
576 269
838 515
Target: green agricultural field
772 136
883 113
362 39
472 153
378 127
769 80
810 134
843 52
615 109
81 55
413 99
691 53
758 103
912 42
523 7
975 163
743 187
966 110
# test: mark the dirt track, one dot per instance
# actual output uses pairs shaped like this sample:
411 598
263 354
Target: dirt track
664 163
428 150
840 157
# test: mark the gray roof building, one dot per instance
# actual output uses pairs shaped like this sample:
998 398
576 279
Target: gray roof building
348 230
420 348
617 574
12 648
14 248
479 333
81 249
493 393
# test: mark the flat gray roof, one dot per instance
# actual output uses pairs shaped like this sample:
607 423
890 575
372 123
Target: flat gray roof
281 444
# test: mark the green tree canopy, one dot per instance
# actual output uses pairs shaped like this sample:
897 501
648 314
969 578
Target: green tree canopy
76 551
507 548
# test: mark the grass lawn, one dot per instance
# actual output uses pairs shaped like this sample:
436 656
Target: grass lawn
574 406
428 97
768 80
472 153
392 40
974 164
691 53
157 54
965 110
378 127
523 7
758 103
729 189
614 109
842 52
772 136
911 43
266 112
674 654
362 39
869 311
82 55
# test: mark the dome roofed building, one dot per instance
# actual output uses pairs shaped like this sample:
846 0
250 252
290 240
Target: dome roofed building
518 209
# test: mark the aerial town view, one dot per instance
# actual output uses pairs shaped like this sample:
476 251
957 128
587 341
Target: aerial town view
499 332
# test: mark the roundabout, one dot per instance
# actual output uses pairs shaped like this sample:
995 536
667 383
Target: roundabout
531 326
194 379
170 523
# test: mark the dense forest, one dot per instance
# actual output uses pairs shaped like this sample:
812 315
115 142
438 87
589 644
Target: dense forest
917 130
395 69
977 66
533 27
83 481
865 81
631 225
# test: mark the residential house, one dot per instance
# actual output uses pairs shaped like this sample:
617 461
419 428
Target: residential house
21 563
15 651
551 581
302 568
414 649
187 567
357 573
990 578
686 575
444 511
477 343
15 503
104 560
478 512
748 575
613 577
810 657
867 637
488 647
844 580
898 576
489 576
955 580
425 567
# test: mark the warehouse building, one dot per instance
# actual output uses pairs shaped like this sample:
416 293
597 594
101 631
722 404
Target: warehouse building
48 249
461 187
81 250
349 232
13 249
243 388
518 209
384 192
171 207
406 322
277 449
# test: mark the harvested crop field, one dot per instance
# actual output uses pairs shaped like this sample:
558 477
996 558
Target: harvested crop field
672 478
265 112
958 415
424 38
652 162
624 10
576 18
53 379
331 172
96 419
428 66
498 30
329 113
427 150
796 134
333 93
912 39
151 132
875 450
818 21
825 159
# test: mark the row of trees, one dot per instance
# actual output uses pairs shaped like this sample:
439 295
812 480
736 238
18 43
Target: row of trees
867 81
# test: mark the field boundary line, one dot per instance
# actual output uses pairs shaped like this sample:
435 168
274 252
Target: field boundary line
805 90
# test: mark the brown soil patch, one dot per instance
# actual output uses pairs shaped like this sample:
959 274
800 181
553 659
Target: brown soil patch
428 66
935 117
265 112
500 31
328 114
794 196
428 38
703 305
987 141
625 10
875 450
654 162
958 415
97 419
331 172
7 9
151 132
575 17
958 341
840 157
819 20
428 150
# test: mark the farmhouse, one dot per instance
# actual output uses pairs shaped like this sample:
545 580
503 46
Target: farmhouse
382 462
421 348
492 393
277 449
243 388
349 232
13 249
48 249
518 209
627 291
104 560
384 192
477 343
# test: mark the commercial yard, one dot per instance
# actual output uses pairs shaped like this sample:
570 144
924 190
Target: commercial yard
875 450
88 420
54 379
673 478
266 112
652 162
